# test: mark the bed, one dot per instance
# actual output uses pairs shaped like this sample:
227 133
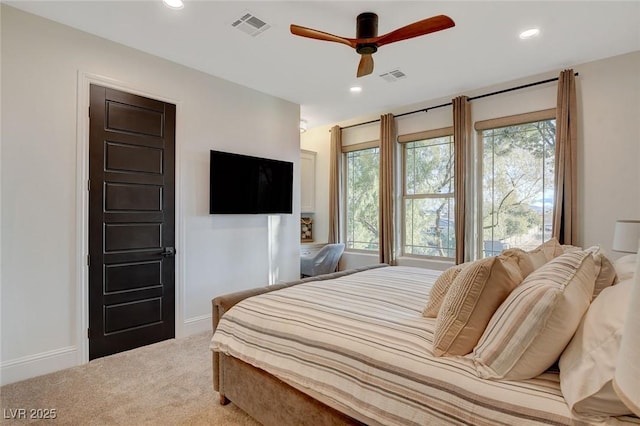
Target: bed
354 348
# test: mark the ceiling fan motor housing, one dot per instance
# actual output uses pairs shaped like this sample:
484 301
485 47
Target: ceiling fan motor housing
366 27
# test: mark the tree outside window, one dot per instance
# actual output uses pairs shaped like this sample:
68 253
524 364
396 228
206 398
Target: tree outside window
362 200
428 198
515 199
517 186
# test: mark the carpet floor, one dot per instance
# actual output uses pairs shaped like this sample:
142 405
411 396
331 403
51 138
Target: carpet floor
167 383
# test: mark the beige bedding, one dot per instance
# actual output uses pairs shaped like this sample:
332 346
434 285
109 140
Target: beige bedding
359 344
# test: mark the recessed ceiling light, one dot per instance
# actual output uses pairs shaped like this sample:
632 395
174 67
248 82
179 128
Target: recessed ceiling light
530 33
173 4
355 89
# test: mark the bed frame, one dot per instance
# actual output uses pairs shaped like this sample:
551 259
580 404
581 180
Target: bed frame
264 397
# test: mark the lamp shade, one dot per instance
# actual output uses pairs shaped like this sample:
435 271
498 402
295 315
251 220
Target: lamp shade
626 235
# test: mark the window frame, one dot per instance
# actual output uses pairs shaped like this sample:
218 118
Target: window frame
403 140
496 123
346 149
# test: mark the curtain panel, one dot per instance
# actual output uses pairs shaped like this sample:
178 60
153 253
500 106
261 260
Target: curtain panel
386 220
565 215
461 143
335 161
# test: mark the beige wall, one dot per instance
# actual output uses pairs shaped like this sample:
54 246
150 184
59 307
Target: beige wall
44 68
608 136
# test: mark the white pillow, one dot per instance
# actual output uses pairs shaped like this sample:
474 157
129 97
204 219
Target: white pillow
588 364
626 266
626 381
605 273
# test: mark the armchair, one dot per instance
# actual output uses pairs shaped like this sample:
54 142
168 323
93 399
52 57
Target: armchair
323 262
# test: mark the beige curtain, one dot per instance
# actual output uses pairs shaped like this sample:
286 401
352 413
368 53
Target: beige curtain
565 227
386 223
334 184
461 141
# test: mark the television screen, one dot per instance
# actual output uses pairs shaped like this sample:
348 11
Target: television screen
241 184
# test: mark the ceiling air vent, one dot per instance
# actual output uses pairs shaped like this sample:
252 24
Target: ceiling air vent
392 76
251 25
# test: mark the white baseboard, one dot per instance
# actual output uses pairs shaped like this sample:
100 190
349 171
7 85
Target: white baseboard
59 359
196 325
38 364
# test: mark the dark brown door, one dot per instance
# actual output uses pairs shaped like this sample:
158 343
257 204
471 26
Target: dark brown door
131 221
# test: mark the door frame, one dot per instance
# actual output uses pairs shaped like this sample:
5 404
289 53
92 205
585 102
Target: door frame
85 79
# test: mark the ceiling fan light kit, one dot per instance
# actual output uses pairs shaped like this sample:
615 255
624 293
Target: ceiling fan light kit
367 41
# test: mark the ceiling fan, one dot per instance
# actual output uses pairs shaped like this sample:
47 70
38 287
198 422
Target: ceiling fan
367 40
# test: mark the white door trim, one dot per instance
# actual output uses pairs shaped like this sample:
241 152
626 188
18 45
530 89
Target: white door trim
85 79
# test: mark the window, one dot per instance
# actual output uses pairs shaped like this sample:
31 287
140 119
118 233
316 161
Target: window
428 194
362 168
517 161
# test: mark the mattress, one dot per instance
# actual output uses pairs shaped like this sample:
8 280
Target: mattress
360 344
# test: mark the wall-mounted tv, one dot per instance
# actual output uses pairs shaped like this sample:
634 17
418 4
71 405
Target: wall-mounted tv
241 184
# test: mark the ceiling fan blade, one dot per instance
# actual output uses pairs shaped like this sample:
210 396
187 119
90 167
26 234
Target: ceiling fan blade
320 35
426 26
365 67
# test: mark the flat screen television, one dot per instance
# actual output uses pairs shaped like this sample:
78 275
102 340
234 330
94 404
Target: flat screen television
241 184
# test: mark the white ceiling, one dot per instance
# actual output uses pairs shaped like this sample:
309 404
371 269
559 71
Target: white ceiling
482 49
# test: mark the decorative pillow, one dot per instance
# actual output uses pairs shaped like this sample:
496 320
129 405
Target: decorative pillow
546 251
593 250
626 266
472 299
439 290
531 328
588 364
566 248
605 273
522 258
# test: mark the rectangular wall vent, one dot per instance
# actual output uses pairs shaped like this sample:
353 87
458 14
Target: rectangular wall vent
251 25
392 76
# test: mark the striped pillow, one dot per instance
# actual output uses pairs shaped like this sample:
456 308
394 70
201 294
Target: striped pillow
440 289
531 328
605 272
473 297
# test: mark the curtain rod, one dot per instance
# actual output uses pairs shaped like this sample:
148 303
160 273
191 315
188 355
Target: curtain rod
524 86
